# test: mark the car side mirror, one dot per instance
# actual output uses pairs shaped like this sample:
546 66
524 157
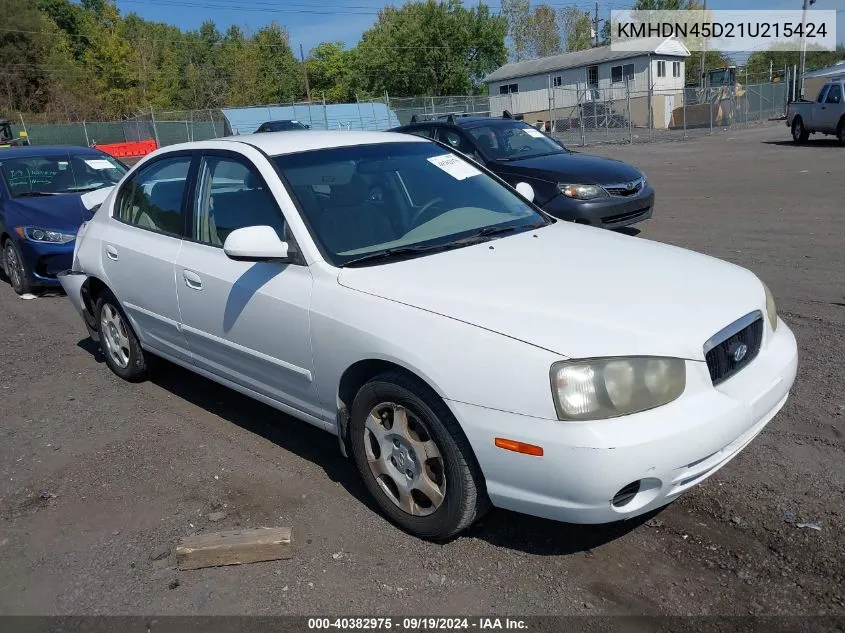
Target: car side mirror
525 190
255 244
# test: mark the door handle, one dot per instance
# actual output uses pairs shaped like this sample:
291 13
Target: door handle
192 280
111 252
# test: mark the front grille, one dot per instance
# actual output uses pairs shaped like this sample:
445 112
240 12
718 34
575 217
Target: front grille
625 189
734 348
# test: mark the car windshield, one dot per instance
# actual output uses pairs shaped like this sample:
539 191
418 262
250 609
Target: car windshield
65 173
513 141
391 198
282 126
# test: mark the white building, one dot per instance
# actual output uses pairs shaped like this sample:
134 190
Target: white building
532 88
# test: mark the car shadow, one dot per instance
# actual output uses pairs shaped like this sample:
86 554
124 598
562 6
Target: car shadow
533 535
819 142
501 528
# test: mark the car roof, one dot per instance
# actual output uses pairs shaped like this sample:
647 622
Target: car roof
294 141
23 151
465 122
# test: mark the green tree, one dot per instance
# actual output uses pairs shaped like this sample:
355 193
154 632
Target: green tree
544 33
577 27
518 15
431 48
330 72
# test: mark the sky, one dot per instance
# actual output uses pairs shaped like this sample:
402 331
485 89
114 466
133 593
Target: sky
310 23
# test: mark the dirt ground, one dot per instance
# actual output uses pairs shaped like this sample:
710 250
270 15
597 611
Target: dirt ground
99 479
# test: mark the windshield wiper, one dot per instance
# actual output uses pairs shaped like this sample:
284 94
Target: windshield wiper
477 237
399 251
88 188
35 194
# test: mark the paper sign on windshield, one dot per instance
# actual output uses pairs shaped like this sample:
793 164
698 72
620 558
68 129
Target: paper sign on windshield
99 163
454 166
530 131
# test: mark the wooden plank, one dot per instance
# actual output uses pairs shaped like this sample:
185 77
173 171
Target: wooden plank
234 547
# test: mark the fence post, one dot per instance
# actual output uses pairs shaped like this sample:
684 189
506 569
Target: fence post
213 126
650 107
710 101
375 118
630 122
23 125
606 128
326 112
581 116
685 114
155 129
387 106
187 133
85 129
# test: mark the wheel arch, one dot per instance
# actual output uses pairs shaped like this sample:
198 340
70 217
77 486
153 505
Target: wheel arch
356 376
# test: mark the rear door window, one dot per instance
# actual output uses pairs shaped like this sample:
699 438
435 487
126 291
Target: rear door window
153 198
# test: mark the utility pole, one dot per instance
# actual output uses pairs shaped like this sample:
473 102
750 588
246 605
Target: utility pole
305 71
596 23
803 57
703 52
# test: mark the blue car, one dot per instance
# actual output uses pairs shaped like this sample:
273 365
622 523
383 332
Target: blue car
41 208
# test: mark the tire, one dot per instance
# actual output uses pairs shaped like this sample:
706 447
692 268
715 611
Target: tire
453 471
799 132
122 351
15 268
840 131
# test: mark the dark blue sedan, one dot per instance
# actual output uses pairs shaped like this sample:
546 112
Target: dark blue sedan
41 208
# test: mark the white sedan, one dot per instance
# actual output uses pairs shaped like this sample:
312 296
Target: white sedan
466 349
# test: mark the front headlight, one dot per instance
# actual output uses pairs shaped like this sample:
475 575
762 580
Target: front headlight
771 308
44 236
602 388
582 192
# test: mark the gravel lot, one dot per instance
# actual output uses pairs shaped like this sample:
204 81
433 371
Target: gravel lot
127 470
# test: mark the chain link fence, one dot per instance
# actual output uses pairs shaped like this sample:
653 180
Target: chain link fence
428 108
576 116
588 115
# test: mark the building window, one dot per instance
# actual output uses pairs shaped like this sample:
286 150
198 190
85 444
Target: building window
507 88
593 75
618 74
661 69
558 81
676 69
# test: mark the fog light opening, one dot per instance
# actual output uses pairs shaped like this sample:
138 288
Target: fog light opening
624 496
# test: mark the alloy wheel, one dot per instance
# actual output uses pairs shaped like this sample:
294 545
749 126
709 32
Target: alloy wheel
404 460
114 335
13 266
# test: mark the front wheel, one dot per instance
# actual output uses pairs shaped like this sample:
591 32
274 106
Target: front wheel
15 268
120 345
799 132
840 132
414 457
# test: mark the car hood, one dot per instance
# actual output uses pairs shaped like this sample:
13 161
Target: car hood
65 211
575 290
573 168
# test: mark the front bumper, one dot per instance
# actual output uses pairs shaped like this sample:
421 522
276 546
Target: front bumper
45 261
667 450
610 213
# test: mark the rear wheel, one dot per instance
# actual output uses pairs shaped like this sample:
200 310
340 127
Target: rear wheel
414 458
15 269
120 345
799 132
840 131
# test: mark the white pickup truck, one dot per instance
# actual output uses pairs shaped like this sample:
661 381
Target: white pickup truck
826 114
